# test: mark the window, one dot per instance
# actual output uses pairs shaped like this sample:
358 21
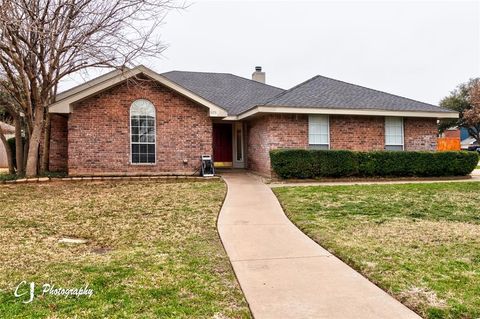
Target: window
394 133
238 140
142 132
318 131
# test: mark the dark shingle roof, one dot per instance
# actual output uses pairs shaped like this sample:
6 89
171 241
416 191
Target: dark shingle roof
233 93
324 92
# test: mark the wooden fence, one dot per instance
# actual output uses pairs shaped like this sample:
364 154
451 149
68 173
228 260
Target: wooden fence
448 144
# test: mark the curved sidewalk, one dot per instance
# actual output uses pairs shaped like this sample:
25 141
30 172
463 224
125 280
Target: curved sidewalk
283 273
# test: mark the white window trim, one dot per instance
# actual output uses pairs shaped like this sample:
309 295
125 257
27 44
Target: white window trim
238 163
130 134
328 130
403 132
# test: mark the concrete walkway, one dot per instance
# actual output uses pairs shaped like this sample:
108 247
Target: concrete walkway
283 273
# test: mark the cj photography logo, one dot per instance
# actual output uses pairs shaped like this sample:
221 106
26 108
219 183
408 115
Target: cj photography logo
25 291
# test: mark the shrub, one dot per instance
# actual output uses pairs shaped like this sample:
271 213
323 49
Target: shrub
301 163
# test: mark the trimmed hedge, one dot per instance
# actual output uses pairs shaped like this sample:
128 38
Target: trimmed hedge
301 163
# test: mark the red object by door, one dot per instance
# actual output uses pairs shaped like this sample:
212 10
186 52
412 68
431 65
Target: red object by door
222 142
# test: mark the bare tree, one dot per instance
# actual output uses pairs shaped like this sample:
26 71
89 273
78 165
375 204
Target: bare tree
464 99
42 41
14 112
472 115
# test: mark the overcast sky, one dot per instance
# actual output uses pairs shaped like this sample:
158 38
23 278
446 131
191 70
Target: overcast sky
420 50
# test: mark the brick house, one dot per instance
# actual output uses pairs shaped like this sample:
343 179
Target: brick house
138 122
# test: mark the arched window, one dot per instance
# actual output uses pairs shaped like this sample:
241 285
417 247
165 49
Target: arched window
142 132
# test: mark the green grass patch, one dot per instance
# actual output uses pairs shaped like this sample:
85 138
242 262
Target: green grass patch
419 242
153 250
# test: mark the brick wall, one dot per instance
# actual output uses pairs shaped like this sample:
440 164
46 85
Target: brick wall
359 133
58 157
271 132
453 133
420 134
99 138
257 142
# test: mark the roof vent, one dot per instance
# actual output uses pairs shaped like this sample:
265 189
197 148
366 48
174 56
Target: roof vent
258 75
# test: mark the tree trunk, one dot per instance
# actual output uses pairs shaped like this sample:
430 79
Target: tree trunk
19 145
46 145
25 152
34 143
8 150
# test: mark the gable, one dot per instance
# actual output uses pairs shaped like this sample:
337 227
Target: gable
67 99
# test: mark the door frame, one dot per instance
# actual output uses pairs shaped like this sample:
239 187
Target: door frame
237 127
236 163
216 162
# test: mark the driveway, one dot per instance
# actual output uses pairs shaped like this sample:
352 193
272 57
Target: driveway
283 273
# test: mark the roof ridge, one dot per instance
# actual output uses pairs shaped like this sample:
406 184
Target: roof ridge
194 72
290 89
86 83
227 73
364 87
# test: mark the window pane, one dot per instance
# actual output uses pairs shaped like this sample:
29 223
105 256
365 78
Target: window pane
394 147
135 158
142 114
318 129
151 158
393 132
135 148
151 148
319 146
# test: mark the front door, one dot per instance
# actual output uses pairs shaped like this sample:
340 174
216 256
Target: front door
222 144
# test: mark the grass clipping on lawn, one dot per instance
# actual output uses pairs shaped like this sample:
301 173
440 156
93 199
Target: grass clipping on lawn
153 250
420 242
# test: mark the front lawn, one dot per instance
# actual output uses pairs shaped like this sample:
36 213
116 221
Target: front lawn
420 242
153 250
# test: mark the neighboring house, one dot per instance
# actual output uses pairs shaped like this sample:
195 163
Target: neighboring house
141 122
9 132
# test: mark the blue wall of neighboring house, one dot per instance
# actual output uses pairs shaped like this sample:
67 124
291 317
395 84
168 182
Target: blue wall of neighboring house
463 134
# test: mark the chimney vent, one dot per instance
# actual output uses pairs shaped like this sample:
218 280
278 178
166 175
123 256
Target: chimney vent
258 75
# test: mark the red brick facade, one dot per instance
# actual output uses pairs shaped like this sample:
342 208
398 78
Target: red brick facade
58 161
420 134
95 138
271 132
359 133
99 132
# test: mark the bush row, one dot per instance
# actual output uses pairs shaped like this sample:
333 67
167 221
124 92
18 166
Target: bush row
300 163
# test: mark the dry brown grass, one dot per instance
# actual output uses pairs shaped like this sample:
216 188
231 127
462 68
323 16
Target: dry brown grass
153 249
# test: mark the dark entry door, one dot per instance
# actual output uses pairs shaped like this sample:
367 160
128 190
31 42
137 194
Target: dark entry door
222 144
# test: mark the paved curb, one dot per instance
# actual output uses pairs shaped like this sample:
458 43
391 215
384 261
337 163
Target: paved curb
105 178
